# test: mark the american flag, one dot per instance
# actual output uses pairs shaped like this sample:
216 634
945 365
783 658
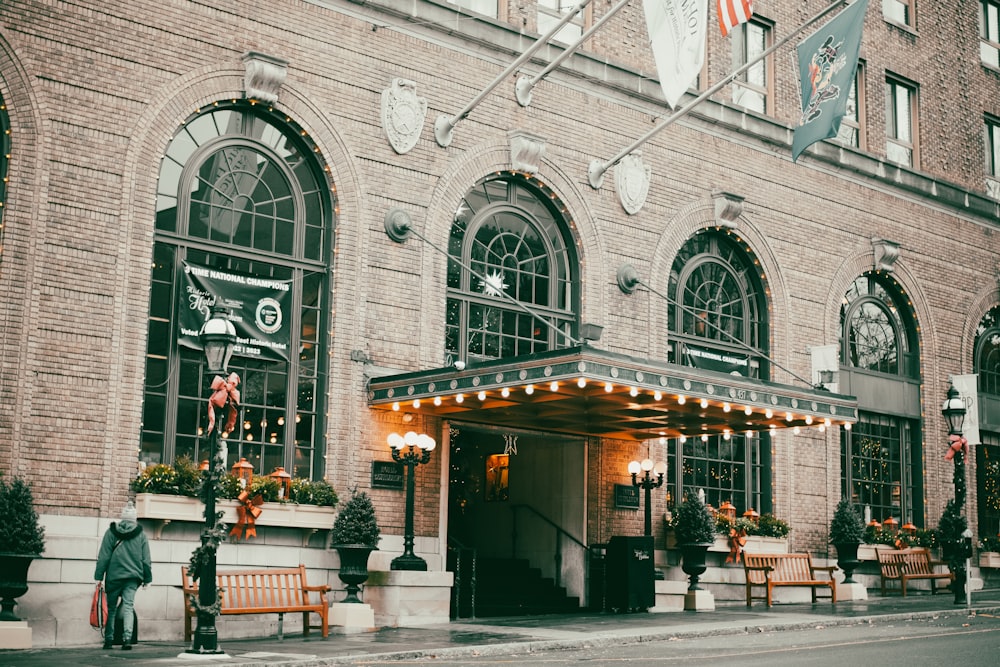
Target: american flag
732 13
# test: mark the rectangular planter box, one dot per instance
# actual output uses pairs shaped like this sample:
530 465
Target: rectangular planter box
989 559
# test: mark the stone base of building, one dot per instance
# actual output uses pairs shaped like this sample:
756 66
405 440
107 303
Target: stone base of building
855 591
15 634
670 597
407 598
699 601
351 617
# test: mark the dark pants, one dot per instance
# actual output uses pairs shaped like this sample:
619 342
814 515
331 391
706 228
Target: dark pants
121 600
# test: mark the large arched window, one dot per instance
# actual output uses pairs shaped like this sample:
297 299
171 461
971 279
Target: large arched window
987 366
511 241
240 193
880 456
717 321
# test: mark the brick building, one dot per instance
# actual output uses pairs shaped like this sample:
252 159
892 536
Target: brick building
453 265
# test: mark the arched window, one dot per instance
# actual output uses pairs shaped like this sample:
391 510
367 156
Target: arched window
241 194
880 456
510 238
987 352
717 311
717 321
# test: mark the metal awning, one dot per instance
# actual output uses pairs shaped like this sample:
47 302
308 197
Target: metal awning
592 392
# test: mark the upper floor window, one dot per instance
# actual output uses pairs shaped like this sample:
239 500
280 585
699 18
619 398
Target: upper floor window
992 143
717 319
901 122
752 88
490 8
987 352
852 125
989 32
513 283
550 12
898 11
240 194
878 331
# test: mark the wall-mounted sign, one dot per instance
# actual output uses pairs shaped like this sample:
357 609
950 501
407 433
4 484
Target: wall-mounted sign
626 497
387 475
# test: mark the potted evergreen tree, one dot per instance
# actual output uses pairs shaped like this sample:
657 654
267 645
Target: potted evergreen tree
355 535
951 535
22 540
694 529
847 531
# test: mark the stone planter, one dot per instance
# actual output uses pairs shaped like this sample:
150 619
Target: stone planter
693 562
165 509
870 551
13 582
989 559
847 559
353 567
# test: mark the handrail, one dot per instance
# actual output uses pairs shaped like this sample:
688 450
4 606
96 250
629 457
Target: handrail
456 591
548 521
560 531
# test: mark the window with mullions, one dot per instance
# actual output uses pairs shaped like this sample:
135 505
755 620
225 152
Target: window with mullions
240 191
992 141
852 125
989 32
752 88
551 12
987 352
717 315
726 469
901 122
878 330
988 484
511 245
898 11
877 459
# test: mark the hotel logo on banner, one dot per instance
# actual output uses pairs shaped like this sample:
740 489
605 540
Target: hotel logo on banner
257 308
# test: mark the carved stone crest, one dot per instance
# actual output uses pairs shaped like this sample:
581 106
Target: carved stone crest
403 114
632 182
263 76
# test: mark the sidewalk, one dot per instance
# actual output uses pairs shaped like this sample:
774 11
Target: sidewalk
501 636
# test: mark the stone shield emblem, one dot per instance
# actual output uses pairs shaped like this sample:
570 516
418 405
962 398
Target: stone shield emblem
632 182
403 114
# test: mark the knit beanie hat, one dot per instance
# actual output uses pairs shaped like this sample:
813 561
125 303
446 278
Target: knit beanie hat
129 513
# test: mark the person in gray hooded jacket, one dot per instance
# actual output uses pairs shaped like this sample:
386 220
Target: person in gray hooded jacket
124 563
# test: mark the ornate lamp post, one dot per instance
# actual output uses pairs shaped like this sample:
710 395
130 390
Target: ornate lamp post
648 484
418 450
218 337
953 410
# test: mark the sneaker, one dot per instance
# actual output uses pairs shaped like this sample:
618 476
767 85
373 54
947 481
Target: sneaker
126 646
107 645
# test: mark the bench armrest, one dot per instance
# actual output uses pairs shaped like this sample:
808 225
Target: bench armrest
758 568
825 568
322 588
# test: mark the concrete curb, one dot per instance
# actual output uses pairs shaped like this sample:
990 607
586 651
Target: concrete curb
637 637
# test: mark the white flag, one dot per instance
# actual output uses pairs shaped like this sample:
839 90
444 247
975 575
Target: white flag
677 36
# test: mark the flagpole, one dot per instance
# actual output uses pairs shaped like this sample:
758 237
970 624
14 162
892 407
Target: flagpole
597 168
522 89
445 124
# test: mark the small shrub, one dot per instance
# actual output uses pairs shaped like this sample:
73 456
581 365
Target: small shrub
265 487
157 478
20 532
769 525
308 492
990 543
356 522
693 523
847 527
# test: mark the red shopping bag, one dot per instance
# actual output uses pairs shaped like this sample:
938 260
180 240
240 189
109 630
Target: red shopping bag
99 608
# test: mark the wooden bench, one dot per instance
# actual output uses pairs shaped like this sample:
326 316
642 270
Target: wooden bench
770 570
904 565
265 591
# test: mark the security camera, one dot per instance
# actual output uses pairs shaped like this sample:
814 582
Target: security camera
459 365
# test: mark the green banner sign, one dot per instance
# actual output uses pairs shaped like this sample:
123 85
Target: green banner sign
258 308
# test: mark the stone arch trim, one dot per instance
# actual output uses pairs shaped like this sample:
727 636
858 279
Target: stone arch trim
700 215
452 185
23 215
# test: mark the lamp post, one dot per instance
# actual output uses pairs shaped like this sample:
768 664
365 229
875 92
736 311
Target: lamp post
648 484
953 410
418 450
218 337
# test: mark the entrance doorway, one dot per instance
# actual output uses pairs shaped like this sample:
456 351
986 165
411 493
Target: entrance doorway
517 501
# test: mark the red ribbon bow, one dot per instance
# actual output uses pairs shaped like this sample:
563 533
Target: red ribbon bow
737 540
248 510
958 444
224 392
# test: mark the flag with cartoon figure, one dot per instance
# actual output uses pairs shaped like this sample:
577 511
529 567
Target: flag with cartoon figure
828 60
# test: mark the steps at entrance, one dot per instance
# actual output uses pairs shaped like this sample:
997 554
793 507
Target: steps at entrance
511 587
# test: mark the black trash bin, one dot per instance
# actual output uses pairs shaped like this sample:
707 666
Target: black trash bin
628 574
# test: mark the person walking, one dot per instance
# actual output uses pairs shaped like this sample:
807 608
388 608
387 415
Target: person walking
124 563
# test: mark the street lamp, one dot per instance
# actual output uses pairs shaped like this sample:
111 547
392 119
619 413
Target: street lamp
418 450
218 337
953 410
647 483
